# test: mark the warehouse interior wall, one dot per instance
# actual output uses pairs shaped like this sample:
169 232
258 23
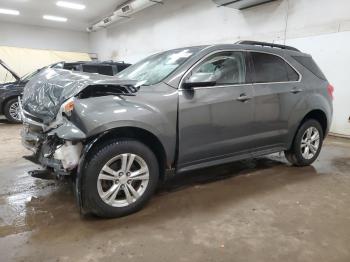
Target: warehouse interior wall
313 26
36 37
195 22
331 51
26 48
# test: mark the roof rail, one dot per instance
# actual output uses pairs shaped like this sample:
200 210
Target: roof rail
286 47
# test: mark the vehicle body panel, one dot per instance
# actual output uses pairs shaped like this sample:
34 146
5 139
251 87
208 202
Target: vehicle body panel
133 111
228 122
213 124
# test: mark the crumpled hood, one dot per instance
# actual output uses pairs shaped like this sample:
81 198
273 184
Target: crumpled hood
48 90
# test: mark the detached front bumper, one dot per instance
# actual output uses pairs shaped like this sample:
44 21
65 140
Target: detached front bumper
58 148
31 139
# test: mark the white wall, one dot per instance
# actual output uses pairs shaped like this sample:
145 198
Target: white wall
332 53
319 27
190 22
36 37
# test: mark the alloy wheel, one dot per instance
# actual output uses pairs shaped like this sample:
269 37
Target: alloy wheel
123 180
14 111
310 142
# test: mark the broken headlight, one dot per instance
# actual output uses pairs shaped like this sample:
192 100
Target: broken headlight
67 107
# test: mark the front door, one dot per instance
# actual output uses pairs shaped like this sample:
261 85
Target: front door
216 121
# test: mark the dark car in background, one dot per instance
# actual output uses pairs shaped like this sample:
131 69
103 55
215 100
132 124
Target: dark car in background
109 68
11 85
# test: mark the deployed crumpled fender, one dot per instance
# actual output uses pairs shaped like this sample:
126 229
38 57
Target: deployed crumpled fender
44 94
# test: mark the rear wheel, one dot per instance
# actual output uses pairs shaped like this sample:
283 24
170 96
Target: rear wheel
120 178
12 111
307 144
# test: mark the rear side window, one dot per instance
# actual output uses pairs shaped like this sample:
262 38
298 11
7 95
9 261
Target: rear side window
310 64
270 68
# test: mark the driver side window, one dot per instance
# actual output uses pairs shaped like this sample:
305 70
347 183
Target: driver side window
224 68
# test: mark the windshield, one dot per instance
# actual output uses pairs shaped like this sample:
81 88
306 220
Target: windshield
157 67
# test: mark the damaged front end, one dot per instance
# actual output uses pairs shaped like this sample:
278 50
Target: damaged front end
47 110
57 146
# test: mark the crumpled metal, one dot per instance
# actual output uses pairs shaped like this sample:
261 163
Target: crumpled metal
45 93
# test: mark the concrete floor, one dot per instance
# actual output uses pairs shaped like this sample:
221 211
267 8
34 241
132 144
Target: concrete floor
256 210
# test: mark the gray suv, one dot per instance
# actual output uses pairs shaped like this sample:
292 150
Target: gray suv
175 111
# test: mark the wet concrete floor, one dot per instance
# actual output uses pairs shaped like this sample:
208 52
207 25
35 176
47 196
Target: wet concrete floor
255 210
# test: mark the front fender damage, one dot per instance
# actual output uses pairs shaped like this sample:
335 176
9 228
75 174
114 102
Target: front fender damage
48 130
59 134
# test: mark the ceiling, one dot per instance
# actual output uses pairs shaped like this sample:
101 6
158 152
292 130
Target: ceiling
31 12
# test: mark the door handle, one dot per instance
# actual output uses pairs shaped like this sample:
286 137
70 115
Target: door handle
296 90
243 98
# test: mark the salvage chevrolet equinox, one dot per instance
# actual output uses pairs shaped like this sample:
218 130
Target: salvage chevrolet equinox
175 111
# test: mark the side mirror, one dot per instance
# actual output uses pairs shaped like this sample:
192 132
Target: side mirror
188 84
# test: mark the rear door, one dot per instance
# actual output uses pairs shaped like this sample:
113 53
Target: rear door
277 90
216 121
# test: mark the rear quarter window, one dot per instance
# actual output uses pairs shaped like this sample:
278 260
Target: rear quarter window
270 68
310 64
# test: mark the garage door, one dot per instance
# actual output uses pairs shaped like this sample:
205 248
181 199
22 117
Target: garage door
25 60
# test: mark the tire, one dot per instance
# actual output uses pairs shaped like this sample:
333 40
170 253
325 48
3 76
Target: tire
99 180
12 116
307 144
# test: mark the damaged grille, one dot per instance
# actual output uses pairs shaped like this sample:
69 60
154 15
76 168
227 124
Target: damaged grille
34 118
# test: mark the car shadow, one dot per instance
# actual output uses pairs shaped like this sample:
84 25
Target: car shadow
210 189
217 173
5 121
200 191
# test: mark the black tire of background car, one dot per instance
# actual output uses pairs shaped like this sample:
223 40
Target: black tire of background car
294 155
7 111
94 163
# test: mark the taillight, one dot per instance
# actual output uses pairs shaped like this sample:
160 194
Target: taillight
330 90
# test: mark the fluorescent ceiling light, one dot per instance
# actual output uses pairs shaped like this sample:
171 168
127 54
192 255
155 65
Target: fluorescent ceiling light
70 5
55 18
9 11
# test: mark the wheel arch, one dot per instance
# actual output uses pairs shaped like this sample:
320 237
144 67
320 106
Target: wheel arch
129 132
317 114
4 102
142 135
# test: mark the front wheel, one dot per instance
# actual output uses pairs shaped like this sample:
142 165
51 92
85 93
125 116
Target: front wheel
307 144
120 178
12 111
